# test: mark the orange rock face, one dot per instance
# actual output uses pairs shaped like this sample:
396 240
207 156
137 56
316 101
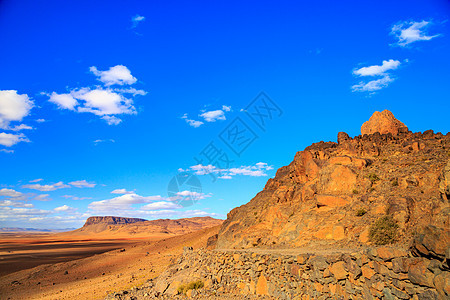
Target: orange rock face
333 192
383 122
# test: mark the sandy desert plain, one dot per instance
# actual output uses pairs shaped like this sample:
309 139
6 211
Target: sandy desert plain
95 260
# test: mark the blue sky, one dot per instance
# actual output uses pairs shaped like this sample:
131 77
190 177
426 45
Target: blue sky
103 103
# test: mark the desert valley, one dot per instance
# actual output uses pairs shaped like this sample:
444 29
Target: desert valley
224 150
361 218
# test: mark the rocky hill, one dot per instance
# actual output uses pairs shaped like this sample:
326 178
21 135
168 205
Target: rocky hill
109 220
315 230
118 226
332 193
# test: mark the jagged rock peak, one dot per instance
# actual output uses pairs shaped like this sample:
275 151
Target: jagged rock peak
110 220
383 122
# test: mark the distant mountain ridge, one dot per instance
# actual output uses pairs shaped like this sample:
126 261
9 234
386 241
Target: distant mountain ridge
20 229
120 226
111 220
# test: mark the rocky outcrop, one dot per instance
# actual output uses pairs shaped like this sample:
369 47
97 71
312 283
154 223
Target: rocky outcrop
373 273
383 122
444 182
317 197
109 220
122 227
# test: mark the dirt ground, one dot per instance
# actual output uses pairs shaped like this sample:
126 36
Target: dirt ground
91 277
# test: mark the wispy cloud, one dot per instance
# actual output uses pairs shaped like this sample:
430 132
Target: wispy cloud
46 187
121 192
378 70
208 116
409 32
136 20
191 122
36 180
59 185
381 71
14 203
373 85
64 208
257 170
82 184
125 202
96 142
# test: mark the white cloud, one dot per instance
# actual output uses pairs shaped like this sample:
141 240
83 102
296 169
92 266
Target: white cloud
258 170
373 85
377 70
192 123
47 187
136 20
131 91
190 195
226 108
15 203
76 198
381 71
121 191
115 75
13 107
11 214
36 180
112 120
168 213
105 102
82 184
9 139
208 116
40 120
20 127
64 208
96 142
122 202
125 202
42 197
161 205
213 115
64 101
410 32
6 151
10 193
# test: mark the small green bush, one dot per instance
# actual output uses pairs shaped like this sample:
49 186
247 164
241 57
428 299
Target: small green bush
395 182
355 191
373 177
361 212
384 231
193 285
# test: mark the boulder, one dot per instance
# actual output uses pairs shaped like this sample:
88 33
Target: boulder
432 242
383 122
261 286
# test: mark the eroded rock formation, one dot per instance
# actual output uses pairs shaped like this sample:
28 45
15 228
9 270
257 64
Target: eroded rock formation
318 195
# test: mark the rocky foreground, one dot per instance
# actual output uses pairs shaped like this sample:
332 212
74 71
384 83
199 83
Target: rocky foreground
370 273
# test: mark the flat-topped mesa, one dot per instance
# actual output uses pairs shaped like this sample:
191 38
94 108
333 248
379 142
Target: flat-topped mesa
383 122
110 220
